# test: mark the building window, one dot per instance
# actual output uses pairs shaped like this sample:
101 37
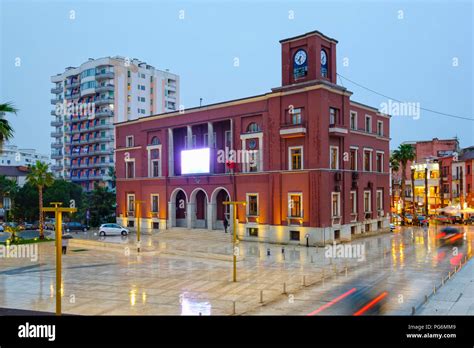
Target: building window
295 205
367 203
252 231
214 140
379 158
295 235
353 202
380 128
335 206
379 200
334 157
155 199
253 128
131 202
333 116
155 168
295 116
130 169
129 142
155 141
296 158
368 124
252 204
353 120
353 159
367 160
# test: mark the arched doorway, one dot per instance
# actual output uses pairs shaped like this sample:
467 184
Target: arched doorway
197 209
177 207
219 210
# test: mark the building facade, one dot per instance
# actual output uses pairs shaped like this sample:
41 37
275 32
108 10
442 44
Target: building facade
12 155
89 99
311 165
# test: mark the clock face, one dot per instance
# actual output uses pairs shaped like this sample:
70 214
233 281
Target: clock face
324 58
300 57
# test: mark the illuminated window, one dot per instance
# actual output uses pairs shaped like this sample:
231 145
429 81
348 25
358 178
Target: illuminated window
334 157
131 202
294 205
252 204
296 158
335 206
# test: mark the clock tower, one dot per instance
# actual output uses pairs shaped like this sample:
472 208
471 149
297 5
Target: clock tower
308 57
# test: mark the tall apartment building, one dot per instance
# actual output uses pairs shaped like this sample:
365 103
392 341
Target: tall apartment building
89 99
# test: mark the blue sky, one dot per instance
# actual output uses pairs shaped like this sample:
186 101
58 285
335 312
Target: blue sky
409 58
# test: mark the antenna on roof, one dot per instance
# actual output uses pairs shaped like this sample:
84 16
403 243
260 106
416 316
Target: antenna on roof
200 102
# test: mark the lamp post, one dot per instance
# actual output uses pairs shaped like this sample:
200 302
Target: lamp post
234 231
58 214
137 212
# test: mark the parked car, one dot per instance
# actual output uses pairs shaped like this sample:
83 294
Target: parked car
408 219
112 229
469 220
422 220
2 229
392 227
75 226
456 219
443 219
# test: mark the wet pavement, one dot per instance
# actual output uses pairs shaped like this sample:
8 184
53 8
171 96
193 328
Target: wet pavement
180 272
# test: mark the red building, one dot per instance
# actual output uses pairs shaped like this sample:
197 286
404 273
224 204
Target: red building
316 165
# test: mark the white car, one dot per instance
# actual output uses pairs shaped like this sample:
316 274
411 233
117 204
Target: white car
112 230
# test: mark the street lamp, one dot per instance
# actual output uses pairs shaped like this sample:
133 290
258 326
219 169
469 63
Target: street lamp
137 212
58 214
234 230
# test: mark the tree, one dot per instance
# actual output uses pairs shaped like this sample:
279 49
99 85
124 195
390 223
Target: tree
40 177
403 154
6 130
101 205
25 203
111 173
8 188
394 167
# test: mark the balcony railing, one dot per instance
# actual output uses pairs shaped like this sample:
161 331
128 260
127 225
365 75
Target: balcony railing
104 75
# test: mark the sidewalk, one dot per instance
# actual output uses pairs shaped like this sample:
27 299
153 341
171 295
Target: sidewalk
456 297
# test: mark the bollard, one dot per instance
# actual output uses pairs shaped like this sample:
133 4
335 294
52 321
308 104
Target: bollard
233 307
426 298
268 252
311 258
434 289
284 288
442 280
449 275
261 296
346 271
412 310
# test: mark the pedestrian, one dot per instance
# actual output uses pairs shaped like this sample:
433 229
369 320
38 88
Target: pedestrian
65 242
226 224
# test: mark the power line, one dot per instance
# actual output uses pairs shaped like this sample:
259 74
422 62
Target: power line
399 101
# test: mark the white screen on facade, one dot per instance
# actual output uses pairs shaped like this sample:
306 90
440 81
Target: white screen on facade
195 161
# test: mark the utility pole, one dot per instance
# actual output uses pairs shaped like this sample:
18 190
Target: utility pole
137 213
58 214
426 191
235 250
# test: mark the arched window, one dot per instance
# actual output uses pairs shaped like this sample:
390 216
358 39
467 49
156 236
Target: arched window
155 141
253 127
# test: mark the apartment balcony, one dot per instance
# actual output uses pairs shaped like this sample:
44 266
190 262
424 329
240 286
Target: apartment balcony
57 101
88 91
104 152
53 112
56 168
171 86
86 178
73 96
56 155
56 134
57 90
73 84
103 113
57 145
103 101
337 130
103 127
104 75
56 123
293 130
106 88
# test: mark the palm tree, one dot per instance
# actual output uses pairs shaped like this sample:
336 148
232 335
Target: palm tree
8 188
6 130
403 154
40 177
394 167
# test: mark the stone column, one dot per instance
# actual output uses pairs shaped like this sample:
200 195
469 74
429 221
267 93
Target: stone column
189 143
210 142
